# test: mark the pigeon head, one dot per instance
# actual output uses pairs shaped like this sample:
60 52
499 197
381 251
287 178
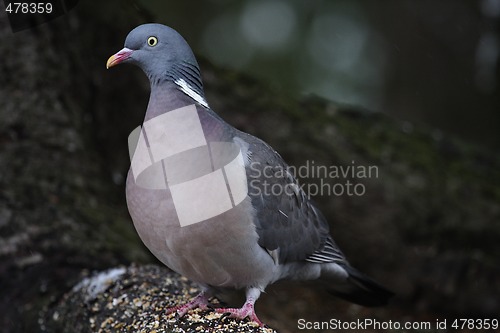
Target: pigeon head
162 53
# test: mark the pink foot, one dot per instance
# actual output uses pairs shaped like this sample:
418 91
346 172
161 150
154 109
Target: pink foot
200 301
247 310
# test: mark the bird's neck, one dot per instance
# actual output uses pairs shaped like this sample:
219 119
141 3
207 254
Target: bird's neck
180 86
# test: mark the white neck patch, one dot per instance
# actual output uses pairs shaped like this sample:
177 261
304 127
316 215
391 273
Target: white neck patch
186 88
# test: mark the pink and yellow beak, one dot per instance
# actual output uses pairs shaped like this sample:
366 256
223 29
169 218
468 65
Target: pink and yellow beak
119 57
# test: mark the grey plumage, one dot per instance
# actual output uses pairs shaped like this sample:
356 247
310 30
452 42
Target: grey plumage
267 236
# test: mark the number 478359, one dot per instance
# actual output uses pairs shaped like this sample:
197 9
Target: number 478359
475 324
29 8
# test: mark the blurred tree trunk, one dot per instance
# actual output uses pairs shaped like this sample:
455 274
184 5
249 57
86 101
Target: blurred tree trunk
427 226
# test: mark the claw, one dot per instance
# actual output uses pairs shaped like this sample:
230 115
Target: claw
247 310
200 301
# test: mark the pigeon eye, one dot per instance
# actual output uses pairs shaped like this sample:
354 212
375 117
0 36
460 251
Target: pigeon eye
152 41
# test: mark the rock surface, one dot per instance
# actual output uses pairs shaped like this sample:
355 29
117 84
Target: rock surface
134 299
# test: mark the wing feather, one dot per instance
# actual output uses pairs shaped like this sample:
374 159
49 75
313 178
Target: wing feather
288 223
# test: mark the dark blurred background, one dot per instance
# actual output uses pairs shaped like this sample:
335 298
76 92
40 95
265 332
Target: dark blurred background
433 62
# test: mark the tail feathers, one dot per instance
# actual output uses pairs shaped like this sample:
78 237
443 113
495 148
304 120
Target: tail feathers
362 290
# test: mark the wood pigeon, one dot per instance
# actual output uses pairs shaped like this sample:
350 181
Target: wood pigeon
198 192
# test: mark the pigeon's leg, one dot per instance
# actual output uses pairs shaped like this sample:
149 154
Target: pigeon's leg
247 310
200 301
